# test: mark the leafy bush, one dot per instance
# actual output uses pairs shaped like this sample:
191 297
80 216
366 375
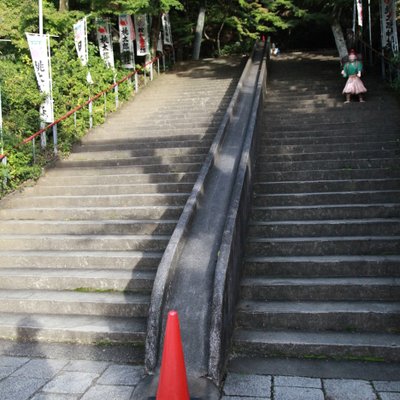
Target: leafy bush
21 98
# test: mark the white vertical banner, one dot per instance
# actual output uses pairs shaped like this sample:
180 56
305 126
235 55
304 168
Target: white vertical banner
126 37
105 42
166 24
142 35
388 25
360 13
40 54
81 41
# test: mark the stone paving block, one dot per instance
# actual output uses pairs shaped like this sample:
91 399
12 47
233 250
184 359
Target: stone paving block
70 383
248 385
54 396
6 371
241 398
389 396
296 393
41 368
343 389
13 362
297 381
387 386
124 375
97 367
108 392
16 388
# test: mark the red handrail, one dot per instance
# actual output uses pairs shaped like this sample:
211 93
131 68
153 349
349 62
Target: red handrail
77 108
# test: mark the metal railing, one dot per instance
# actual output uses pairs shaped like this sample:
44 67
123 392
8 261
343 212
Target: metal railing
148 74
389 70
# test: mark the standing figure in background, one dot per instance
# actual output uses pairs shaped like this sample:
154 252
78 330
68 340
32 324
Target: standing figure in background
354 85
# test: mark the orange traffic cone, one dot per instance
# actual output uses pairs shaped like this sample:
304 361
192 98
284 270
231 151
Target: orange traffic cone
173 381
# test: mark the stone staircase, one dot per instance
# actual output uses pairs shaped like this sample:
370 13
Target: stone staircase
322 265
79 250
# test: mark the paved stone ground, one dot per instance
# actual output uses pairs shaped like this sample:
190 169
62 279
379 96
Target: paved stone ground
23 378
261 387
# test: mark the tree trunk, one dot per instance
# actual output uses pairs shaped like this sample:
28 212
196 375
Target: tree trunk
219 38
199 33
339 38
64 5
155 32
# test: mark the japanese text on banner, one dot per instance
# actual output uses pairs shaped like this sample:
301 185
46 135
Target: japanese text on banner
126 37
105 42
388 25
39 48
80 36
142 35
167 29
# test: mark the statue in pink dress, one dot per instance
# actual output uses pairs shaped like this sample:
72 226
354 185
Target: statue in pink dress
352 71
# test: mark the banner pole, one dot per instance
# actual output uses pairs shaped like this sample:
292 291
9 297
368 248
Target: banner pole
370 32
40 17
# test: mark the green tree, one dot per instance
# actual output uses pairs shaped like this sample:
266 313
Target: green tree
332 13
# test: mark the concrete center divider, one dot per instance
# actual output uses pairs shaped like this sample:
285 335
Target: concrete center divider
200 270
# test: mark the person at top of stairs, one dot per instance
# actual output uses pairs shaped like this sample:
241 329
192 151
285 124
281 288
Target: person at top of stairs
354 85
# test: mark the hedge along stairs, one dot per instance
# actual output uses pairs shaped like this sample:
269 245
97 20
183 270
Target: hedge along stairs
80 249
322 265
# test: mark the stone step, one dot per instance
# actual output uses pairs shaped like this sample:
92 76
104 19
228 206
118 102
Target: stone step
115 201
124 179
79 260
337 155
143 147
127 133
321 246
320 289
56 302
138 161
107 154
329 105
311 138
299 123
81 227
363 346
178 140
326 198
322 266
92 213
80 329
325 175
309 186
110 189
346 227
124 170
319 316
329 148
326 212
327 117
329 164
80 280
103 242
